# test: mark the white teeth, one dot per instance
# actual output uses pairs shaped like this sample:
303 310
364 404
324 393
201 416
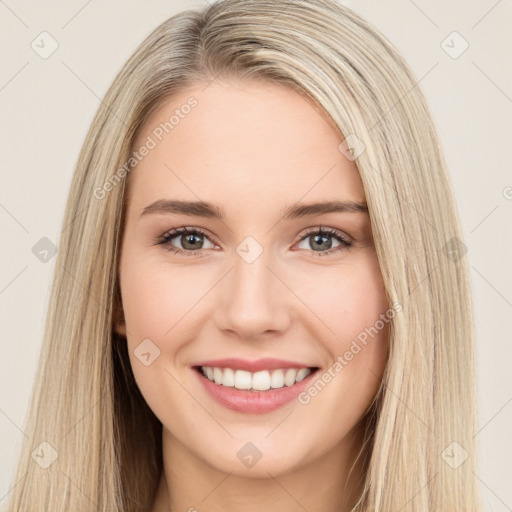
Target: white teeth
217 375
261 380
277 379
229 377
257 381
289 376
242 379
302 374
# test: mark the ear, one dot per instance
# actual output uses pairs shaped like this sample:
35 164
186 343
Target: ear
118 321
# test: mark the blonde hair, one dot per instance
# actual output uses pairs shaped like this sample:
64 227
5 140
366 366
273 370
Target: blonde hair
85 402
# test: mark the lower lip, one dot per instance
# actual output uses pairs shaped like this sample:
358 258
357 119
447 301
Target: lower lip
253 402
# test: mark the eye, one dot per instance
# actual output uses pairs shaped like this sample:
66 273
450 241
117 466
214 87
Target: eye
190 240
320 240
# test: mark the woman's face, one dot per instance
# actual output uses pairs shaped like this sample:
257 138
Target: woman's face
252 279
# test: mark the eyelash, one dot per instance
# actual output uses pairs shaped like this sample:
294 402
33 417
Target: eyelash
165 239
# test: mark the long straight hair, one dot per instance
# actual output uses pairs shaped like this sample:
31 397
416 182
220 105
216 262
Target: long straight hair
86 408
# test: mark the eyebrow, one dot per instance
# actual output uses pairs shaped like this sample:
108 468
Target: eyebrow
209 210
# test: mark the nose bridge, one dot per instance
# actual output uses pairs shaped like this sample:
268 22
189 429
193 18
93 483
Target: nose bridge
252 280
253 301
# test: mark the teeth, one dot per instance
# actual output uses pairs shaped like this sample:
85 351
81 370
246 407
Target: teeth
228 377
261 380
242 380
277 379
289 377
257 381
218 375
302 374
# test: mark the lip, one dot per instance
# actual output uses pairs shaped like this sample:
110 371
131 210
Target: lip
253 402
267 363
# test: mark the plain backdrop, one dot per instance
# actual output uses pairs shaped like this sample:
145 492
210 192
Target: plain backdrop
48 103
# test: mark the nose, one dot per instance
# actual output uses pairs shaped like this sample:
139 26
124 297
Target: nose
253 302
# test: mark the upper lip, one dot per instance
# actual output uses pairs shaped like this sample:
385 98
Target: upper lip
267 363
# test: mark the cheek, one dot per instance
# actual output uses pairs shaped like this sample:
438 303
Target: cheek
156 298
347 299
352 305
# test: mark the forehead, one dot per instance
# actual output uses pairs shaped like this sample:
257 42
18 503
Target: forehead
242 143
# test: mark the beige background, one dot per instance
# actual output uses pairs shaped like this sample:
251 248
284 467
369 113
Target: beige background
47 105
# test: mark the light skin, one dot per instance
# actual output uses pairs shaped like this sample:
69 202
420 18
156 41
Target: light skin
253 149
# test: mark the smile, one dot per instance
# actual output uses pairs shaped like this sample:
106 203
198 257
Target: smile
253 392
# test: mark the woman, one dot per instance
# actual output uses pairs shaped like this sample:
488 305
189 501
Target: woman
262 294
